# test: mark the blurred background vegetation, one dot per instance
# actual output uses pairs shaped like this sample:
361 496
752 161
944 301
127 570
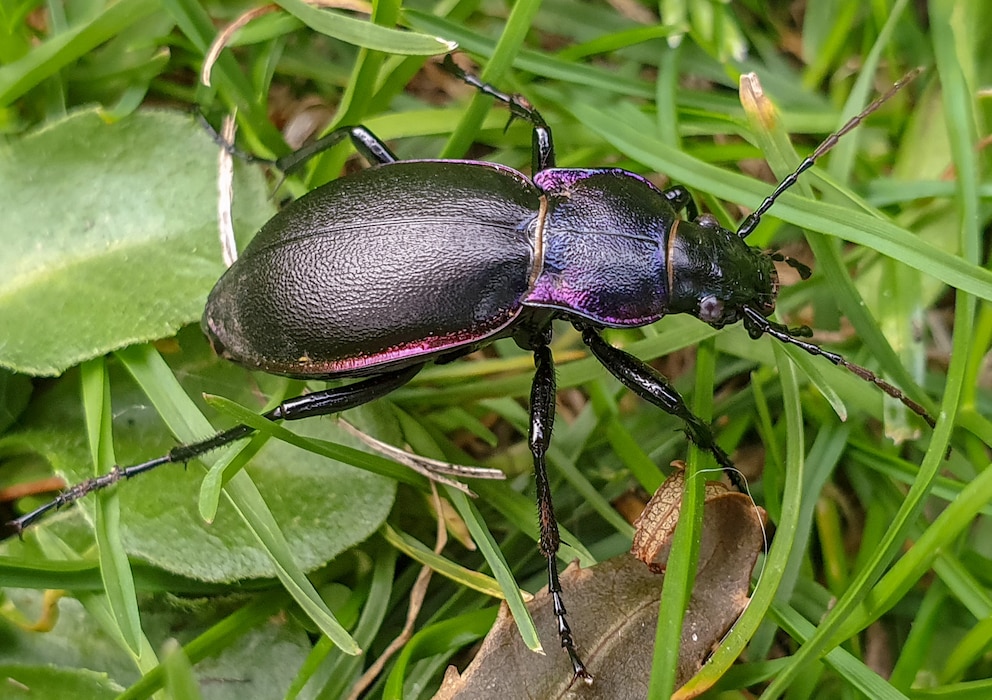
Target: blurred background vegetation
877 579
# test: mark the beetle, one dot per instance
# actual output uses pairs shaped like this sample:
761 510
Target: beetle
407 262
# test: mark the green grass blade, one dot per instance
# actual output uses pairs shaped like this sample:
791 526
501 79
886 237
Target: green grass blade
114 566
680 571
501 570
366 34
182 417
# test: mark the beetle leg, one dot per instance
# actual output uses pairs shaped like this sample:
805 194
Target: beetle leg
647 383
318 403
542 418
365 142
543 147
679 197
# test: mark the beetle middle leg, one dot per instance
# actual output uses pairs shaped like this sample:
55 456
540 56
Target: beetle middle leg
542 418
365 142
644 381
319 403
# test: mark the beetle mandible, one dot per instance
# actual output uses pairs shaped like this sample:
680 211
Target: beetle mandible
458 253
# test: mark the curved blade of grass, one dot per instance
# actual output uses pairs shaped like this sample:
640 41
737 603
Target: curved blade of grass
680 571
114 566
366 34
187 423
501 570
776 564
418 551
228 462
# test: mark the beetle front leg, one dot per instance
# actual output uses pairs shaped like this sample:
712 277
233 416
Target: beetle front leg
319 403
543 147
647 383
542 418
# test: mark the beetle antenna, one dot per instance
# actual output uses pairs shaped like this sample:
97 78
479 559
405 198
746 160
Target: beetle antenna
756 325
752 220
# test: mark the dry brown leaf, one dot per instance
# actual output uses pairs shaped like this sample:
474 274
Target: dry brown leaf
613 610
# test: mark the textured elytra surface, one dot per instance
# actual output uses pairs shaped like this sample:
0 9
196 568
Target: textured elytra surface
391 264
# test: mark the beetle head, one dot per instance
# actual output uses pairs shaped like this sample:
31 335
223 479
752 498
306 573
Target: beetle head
713 275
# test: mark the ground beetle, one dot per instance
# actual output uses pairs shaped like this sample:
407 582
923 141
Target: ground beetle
408 262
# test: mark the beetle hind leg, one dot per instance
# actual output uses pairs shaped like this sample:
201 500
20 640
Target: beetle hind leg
365 142
319 403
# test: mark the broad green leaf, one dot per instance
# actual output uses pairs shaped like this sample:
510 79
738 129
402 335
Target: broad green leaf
109 235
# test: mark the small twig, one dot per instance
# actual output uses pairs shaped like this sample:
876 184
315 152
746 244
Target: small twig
225 194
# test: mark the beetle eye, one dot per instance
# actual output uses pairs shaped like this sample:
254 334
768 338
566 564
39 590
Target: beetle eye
710 309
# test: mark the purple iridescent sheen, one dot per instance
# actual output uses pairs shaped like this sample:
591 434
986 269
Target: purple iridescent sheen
605 246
